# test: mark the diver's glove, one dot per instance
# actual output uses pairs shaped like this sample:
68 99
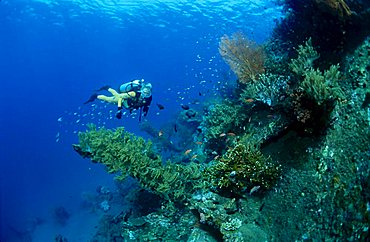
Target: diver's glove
119 113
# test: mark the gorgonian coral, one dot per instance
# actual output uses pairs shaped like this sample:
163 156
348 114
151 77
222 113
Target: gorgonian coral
244 56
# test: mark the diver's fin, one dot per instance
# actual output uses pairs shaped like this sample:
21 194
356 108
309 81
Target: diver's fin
103 88
92 98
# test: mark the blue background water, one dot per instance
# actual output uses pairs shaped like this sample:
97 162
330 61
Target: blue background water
53 54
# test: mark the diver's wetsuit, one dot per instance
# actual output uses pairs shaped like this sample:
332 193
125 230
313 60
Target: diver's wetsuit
137 103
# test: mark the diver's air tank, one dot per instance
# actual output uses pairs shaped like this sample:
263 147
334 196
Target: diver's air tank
131 86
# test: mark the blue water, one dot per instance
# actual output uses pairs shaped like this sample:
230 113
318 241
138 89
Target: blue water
53 54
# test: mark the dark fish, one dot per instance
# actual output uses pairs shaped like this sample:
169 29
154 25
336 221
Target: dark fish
160 106
185 107
200 94
175 128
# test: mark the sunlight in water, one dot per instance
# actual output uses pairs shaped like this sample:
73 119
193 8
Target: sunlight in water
215 14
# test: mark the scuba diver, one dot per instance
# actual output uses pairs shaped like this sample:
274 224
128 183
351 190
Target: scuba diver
132 95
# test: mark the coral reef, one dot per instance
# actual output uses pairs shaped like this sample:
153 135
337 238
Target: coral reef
271 168
317 85
317 93
234 219
358 67
270 89
322 87
337 27
221 119
306 56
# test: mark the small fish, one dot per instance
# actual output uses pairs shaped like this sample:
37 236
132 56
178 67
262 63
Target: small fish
160 106
175 128
254 189
249 100
185 107
231 134
187 152
222 135
193 157
60 119
199 142
200 94
160 133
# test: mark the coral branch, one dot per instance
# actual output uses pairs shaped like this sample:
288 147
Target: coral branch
128 155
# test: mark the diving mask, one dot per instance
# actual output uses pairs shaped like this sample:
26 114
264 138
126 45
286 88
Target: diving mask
146 90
